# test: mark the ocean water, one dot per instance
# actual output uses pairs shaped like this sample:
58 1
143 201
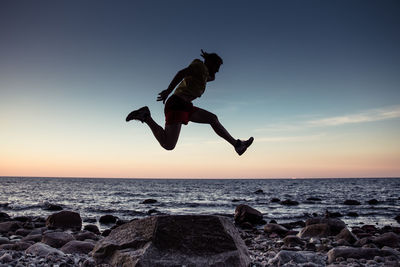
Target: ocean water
94 197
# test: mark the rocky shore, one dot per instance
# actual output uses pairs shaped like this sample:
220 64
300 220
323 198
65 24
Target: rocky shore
244 240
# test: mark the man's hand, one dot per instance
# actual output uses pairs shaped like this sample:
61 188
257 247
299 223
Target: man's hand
163 95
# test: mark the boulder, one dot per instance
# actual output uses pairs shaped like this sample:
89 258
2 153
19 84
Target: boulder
65 220
289 202
315 230
148 201
32 238
86 235
314 199
57 239
4 217
351 202
245 213
191 240
373 201
107 219
79 247
296 258
42 250
357 253
335 225
346 235
92 228
9 226
292 241
4 240
389 239
259 191
275 228
274 200
52 207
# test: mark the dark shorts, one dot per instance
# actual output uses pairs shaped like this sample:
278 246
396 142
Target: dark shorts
177 110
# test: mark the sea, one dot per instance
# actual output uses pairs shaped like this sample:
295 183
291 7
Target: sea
95 197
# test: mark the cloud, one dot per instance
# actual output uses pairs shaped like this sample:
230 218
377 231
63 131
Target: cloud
366 116
303 138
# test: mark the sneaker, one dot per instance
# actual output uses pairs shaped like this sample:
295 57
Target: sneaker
141 114
241 146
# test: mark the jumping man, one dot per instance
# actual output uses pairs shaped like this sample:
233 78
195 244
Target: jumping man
179 108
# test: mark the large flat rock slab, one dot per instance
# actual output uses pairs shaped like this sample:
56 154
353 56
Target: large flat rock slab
191 240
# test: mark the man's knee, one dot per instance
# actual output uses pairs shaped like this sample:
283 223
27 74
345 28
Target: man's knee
213 119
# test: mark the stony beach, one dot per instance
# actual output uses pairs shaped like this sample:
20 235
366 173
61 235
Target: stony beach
63 239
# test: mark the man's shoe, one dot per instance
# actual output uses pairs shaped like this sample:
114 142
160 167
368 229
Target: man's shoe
141 114
241 146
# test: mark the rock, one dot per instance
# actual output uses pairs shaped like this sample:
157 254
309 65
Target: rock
397 218
351 202
86 235
314 199
107 219
79 247
389 239
64 220
275 228
259 191
356 253
57 239
296 258
346 235
4 217
315 230
295 224
106 232
92 228
42 250
289 202
275 200
335 225
191 240
369 228
244 213
52 207
33 238
352 214
22 218
23 232
90 220
6 258
9 226
373 202
149 201
292 241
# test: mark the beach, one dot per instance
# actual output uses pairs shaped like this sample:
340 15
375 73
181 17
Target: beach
361 229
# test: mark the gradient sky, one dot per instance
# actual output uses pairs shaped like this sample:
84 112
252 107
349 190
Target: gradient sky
317 83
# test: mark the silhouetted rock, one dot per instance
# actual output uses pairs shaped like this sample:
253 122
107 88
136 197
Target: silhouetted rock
245 213
106 232
64 220
292 241
356 253
275 200
352 214
22 218
346 235
259 191
149 201
174 241
373 202
79 247
42 250
397 218
275 228
289 202
335 225
57 239
52 207
9 226
314 199
297 258
4 217
81 236
351 202
92 228
106 219
387 239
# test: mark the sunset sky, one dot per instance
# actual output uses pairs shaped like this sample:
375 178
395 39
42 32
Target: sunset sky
317 83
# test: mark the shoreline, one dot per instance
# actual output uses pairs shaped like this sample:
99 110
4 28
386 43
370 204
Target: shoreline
269 243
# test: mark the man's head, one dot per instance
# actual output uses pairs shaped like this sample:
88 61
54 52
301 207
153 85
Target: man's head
213 62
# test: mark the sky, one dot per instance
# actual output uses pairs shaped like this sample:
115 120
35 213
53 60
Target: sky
316 83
